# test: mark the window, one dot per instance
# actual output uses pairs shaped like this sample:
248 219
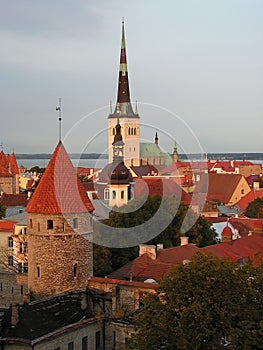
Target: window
134 131
114 339
75 223
50 224
38 271
10 261
38 226
85 343
10 242
122 194
129 132
75 269
1 286
25 230
19 267
242 191
12 290
57 348
106 194
71 346
30 223
25 267
113 131
114 194
63 227
97 340
21 290
20 247
25 247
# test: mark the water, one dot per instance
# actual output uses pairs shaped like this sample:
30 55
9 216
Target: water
42 163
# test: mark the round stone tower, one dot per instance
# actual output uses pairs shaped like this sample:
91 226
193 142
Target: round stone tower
59 221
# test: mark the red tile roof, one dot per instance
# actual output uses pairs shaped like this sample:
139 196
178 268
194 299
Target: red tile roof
220 186
152 186
14 200
14 166
145 267
250 197
7 226
59 190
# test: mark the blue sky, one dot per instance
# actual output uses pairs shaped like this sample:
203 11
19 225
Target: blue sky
195 68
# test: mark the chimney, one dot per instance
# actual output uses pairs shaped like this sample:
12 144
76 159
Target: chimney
159 246
150 250
184 240
14 315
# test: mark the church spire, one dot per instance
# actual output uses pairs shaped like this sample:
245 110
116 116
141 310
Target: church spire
123 105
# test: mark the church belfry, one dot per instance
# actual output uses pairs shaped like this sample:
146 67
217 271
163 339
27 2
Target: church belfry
128 120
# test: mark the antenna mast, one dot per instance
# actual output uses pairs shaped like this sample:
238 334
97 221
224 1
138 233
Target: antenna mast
59 110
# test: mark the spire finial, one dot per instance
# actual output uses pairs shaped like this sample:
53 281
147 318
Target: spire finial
59 110
156 138
110 106
136 107
123 20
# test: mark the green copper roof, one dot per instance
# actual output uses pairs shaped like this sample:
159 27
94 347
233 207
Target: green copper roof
150 150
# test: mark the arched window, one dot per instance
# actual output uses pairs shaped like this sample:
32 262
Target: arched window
129 131
134 131
122 194
114 194
106 194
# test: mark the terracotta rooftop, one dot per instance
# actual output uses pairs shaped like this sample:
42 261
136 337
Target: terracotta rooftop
145 267
14 200
152 186
59 189
7 226
250 197
220 186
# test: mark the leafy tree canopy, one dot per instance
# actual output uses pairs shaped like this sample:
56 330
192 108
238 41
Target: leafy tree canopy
205 304
2 210
170 223
255 209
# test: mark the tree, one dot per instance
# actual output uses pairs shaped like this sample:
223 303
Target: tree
101 261
205 304
200 234
255 209
2 210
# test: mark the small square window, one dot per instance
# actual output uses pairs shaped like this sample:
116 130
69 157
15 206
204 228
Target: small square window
71 346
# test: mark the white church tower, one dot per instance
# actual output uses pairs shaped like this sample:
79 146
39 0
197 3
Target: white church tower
129 121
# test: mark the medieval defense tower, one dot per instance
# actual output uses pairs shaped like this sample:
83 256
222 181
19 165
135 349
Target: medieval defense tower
129 121
59 225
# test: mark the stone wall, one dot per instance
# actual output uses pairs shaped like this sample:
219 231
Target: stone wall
59 258
13 288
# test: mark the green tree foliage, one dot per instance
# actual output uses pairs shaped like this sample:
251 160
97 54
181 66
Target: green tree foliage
102 263
2 210
205 304
200 233
37 169
84 178
255 209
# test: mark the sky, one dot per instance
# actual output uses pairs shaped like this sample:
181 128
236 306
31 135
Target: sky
195 70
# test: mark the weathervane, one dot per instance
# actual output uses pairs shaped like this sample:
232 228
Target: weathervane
59 110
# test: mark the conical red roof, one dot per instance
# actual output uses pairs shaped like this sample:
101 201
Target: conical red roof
14 166
4 165
59 190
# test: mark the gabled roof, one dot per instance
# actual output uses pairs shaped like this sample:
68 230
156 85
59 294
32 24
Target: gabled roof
220 186
14 200
144 170
59 189
250 197
152 186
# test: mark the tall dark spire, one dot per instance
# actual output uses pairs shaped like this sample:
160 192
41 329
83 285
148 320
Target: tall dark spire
123 105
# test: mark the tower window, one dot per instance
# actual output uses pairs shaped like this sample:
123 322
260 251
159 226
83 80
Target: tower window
122 194
50 224
63 227
75 268
10 242
30 223
134 131
75 223
38 226
38 271
114 194
129 131
85 343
